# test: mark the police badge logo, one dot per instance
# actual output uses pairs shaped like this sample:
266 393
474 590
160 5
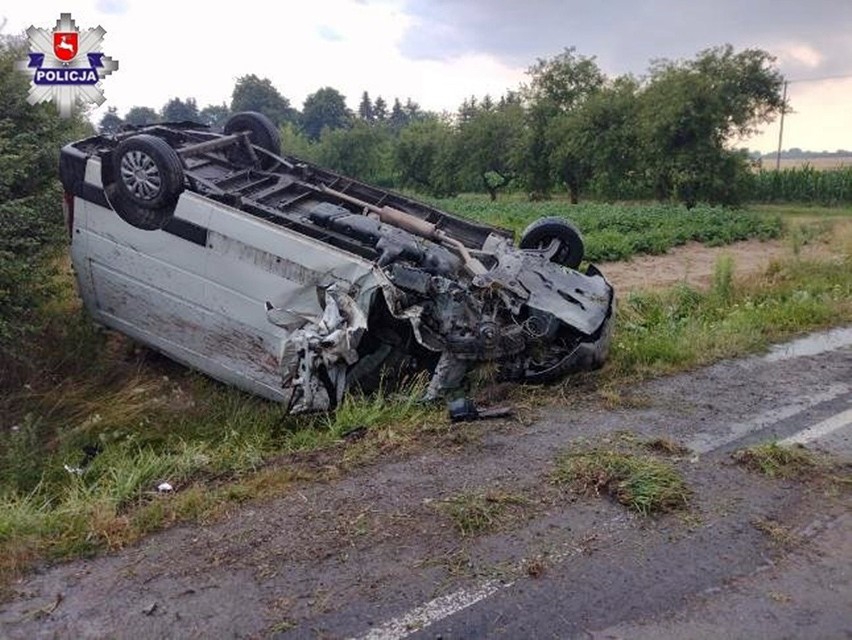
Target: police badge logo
65 45
65 65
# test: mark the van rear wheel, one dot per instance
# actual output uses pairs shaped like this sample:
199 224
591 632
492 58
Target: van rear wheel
262 132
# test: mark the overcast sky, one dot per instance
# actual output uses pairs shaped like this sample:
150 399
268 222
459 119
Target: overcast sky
439 51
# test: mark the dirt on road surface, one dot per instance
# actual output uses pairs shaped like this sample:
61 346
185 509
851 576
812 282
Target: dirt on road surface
377 553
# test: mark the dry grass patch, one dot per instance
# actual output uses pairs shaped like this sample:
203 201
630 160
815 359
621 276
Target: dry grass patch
780 535
475 513
666 446
779 461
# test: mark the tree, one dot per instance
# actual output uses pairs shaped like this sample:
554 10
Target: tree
690 110
564 81
252 93
380 109
361 151
365 109
426 158
141 116
510 97
570 159
110 122
597 141
324 108
398 118
489 142
412 110
296 143
468 109
537 154
557 86
215 115
177 110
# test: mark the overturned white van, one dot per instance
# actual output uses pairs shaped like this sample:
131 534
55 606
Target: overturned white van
295 283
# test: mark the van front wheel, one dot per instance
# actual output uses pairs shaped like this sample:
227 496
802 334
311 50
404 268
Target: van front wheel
147 179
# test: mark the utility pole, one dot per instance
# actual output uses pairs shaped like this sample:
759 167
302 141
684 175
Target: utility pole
781 130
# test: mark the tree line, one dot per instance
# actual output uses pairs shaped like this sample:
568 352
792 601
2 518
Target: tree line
570 127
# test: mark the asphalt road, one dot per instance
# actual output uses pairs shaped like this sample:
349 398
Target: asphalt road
371 554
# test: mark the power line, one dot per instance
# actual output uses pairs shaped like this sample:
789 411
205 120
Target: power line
848 75
783 111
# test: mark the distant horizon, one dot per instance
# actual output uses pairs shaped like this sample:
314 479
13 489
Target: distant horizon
800 153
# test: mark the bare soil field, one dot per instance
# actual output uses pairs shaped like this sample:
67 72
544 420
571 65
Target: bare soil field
816 163
694 263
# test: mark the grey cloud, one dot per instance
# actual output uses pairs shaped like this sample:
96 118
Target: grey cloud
625 35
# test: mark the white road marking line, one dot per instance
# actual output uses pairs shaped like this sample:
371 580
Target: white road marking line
433 611
445 606
704 442
827 426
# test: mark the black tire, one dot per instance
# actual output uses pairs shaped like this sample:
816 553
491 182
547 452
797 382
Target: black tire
542 232
147 179
262 133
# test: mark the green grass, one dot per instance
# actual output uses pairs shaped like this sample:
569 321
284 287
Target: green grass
475 513
130 419
795 462
640 482
123 427
619 231
663 331
778 461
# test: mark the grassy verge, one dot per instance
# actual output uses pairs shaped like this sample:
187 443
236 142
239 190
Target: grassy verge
664 331
86 440
225 449
85 446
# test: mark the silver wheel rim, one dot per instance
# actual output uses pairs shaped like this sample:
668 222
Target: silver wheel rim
140 175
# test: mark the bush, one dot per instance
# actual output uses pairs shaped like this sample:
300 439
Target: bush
30 206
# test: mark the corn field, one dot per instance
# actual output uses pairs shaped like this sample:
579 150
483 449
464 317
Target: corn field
802 185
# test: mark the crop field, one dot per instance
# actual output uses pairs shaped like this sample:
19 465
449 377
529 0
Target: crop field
806 184
833 162
619 231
